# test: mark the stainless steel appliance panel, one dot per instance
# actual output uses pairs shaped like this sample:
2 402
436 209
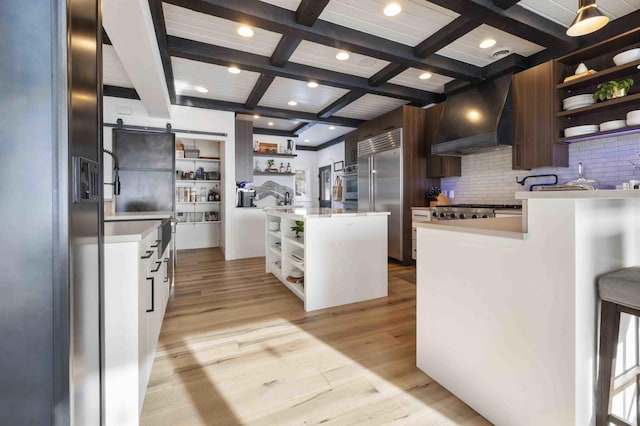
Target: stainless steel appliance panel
364 184
387 195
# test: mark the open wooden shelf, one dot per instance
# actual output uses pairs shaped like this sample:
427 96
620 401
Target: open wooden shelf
605 75
597 135
272 174
262 154
601 105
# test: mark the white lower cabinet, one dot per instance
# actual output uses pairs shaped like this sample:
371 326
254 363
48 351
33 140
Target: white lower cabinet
136 293
418 214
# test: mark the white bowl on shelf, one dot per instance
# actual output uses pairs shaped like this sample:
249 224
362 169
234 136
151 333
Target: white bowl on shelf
577 101
612 125
627 56
274 226
586 129
633 118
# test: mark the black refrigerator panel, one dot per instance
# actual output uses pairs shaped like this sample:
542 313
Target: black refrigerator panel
144 150
147 170
145 191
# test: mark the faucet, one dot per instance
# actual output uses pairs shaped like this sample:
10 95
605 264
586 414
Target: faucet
531 188
116 168
287 198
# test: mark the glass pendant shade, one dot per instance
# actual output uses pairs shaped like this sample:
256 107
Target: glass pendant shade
588 19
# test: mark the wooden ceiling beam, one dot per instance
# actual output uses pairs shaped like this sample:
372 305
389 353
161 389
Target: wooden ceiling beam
157 16
515 20
283 51
505 4
302 127
341 103
265 111
309 10
386 74
259 89
120 92
445 36
274 132
283 21
223 56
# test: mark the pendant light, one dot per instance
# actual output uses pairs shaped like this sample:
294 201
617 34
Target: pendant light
588 19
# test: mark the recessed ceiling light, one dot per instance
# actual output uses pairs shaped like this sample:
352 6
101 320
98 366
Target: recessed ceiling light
332 127
245 31
342 55
485 44
425 75
202 89
307 140
270 123
292 103
392 9
312 84
234 70
256 116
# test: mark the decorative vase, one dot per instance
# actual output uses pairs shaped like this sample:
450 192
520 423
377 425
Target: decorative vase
618 93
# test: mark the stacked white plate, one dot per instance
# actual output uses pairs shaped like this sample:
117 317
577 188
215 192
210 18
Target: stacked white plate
627 56
577 101
612 125
633 118
570 132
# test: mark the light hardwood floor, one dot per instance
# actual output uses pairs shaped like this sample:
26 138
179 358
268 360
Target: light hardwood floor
236 347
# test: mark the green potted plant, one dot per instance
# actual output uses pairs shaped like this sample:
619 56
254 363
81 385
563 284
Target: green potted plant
612 89
299 228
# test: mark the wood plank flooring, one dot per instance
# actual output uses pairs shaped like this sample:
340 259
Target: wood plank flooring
237 348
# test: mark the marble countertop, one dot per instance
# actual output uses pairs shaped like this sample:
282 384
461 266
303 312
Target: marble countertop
506 227
138 216
304 212
126 231
603 194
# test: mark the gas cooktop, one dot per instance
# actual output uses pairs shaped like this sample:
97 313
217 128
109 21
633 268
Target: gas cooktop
482 206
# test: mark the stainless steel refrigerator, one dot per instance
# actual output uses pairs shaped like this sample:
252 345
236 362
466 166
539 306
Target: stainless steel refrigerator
146 162
50 161
380 182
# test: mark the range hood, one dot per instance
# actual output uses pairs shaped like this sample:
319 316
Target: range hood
476 120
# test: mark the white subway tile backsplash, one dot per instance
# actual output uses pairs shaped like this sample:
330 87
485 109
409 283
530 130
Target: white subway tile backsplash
487 177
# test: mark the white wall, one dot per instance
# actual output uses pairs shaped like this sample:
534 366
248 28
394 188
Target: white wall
186 118
487 177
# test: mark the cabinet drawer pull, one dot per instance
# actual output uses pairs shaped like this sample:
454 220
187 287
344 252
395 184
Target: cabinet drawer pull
157 244
149 253
158 265
166 270
153 285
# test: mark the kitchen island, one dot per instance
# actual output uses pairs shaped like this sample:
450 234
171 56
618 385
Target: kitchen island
339 258
507 311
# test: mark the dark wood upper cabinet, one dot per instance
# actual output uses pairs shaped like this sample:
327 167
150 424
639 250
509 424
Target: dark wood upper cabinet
244 151
534 119
351 148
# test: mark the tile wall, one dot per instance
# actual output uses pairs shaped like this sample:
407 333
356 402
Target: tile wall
487 177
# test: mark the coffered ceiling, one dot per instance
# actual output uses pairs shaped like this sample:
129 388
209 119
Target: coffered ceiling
295 42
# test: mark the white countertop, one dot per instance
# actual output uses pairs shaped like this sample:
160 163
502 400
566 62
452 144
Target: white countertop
129 231
304 212
506 227
138 216
603 194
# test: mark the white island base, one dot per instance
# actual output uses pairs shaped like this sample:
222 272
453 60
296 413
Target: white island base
509 323
342 254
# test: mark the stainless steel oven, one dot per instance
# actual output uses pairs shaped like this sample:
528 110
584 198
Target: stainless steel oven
350 183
